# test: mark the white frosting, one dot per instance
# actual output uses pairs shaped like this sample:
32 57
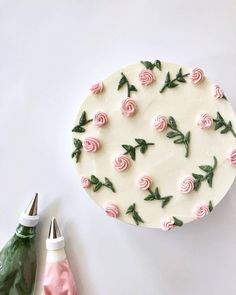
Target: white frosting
165 161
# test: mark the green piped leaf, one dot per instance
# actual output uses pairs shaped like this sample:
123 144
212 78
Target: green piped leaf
150 198
77 143
98 184
149 65
220 122
109 184
172 123
177 222
172 83
158 64
82 122
130 209
136 217
140 141
124 81
206 168
209 170
210 206
197 176
79 129
132 88
165 201
83 119
156 196
131 150
181 138
172 134
77 152
94 179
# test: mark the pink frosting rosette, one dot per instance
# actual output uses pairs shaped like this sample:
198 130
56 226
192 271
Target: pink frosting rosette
97 88
100 119
218 92
160 123
85 182
186 184
232 157
91 144
128 107
111 210
205 121
121 163
144 182
167 223
146 77
200 210
196 75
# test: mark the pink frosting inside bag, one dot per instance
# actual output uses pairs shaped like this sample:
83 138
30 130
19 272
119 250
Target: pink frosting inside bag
58 279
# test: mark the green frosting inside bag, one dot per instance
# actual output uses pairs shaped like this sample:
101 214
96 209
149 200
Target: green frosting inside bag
18 263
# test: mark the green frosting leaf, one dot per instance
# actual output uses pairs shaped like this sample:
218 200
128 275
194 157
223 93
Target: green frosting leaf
181 138
136 217
77 152
124 81
173 83
149 65
82 122
98 184
177 222
209 170
131 150
156 196
210 206
220 122
130 209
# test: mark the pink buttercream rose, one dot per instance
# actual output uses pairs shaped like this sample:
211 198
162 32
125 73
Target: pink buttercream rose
97 88
167 223
121 163
128 107
232 157
186 184
205 121
91 144
144 182
160 123
100 119
218 92
196 75
111 210
146 77
200 210
85 182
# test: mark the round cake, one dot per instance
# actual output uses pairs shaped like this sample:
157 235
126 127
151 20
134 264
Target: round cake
155 144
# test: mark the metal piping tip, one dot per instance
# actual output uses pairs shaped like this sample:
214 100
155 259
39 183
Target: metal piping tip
32 209
54 231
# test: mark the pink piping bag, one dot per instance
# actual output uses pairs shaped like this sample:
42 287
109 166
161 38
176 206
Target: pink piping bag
58 278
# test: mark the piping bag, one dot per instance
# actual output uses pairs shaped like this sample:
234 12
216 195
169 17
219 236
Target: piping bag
18 257
58 278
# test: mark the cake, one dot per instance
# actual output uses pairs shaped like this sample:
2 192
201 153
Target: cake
155 144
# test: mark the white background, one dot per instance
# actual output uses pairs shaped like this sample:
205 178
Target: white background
50 54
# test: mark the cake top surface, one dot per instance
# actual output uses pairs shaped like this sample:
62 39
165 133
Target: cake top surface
155 144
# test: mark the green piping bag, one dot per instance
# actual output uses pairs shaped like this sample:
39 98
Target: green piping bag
18 257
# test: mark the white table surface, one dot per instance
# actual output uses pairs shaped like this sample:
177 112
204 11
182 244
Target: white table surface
50 53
